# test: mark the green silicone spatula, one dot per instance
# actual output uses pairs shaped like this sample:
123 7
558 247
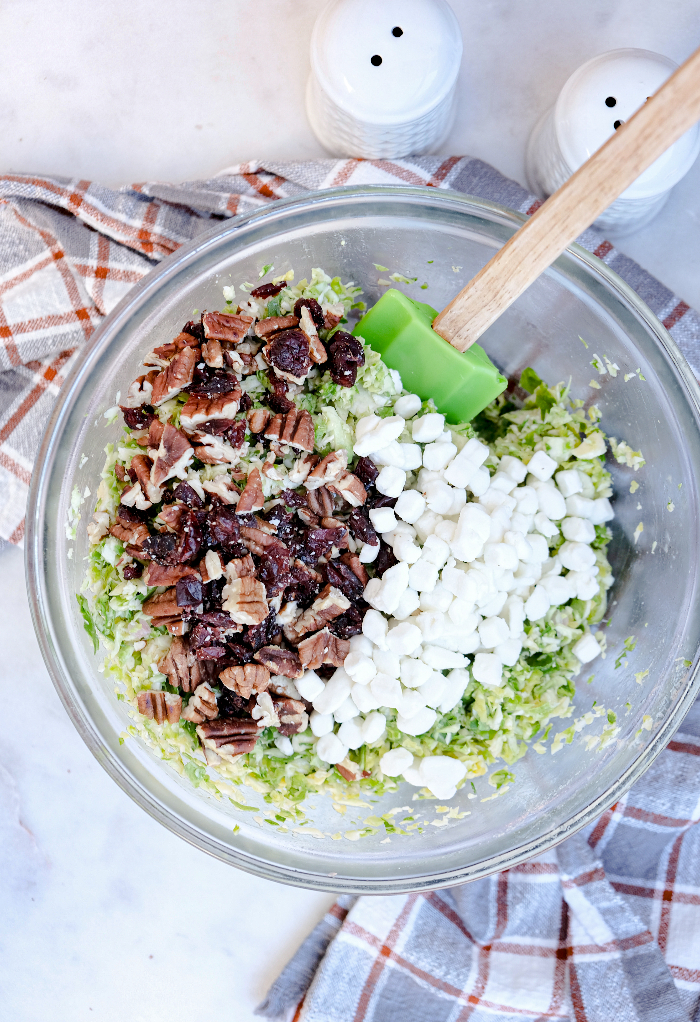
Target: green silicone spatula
458 375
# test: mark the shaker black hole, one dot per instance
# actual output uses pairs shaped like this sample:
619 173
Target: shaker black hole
617 124
376 60
610 101
397 31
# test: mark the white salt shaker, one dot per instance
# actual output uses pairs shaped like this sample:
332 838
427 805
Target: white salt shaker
600 96
383 76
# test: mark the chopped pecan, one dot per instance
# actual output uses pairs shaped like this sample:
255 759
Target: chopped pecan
316 349
280 661
292 715
328 470
224 326
200 408
98 528
341 575
256 540
301 468
258 418
332 315
252 498
246 679
229 736
241 362
222 488
133 496
174 455
213 450
288 354
142 466
211 566
330 603
202 706
323 648
308 517
245 600
140 391
213 354
356 567
131 535
167 575
231 430
120 472
178 375
320 501
159 706
349 487
296 429
240 567
264 327
268 290
182 668
162 607
264 711
155 433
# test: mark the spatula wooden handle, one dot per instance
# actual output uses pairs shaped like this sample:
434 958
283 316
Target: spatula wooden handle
667 115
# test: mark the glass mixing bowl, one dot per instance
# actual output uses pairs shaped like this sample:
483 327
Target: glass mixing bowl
443 239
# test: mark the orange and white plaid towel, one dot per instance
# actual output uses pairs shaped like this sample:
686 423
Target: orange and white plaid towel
604 928
70 250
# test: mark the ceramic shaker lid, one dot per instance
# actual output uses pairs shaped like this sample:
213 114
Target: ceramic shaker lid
602 94
384 61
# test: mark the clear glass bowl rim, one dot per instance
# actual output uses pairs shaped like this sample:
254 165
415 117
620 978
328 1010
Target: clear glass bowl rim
36 580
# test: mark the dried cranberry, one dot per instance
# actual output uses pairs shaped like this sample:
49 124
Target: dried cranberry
195 330
257 636
303 587
223 528
212 593
284 521
379 500
215 619
138 418
179 547
246 402
232 705
185 493
320 541
293 499
212 382
273 570
342 577
348 624
346 355
189 591
366 471
385 559
288 351
268 290
361 528
325 671
315 310
211 653
277 400
132 571
238 654
206 635
232 430
129 515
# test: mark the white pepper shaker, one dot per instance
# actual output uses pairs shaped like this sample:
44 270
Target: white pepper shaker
597 98
383 76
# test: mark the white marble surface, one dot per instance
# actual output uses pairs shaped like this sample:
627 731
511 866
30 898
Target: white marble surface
103 914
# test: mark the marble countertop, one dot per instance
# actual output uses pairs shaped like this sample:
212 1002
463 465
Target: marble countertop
104 914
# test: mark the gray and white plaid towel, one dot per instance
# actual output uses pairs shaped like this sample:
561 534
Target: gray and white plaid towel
607 927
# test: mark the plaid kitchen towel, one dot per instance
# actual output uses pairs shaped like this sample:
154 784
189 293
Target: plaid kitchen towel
604 928
70 250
